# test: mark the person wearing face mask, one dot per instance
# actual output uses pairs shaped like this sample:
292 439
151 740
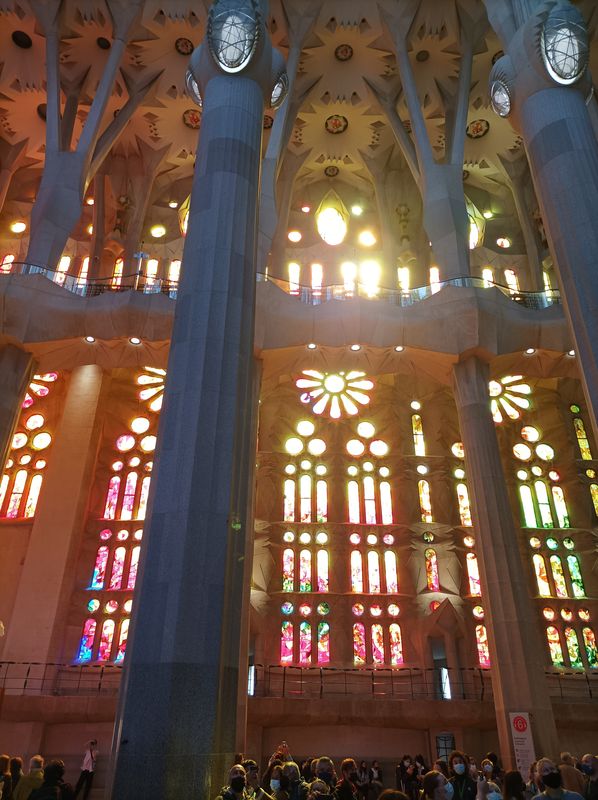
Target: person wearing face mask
292 782
589 767
276 790
325 772
237 785
549 779
252 777
436 787
346 788
488 770
573 779
464 787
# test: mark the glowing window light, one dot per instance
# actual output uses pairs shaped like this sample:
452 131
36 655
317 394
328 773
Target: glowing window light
294 277
403 278
17 493
99 570
419 442
6 266
366 429
3 488
289 501
294 236
316 447
396 645
129 496
558 575
573 651
575 575
541 575
41 440
435 280
132 578
355 448
379 448
142 508
106 638
305 571
487 277
560 506
117 273
123 635
332 226
512 281
33 495
386 503
305 487
369 276
359 654
545 452
367 238
554 646
464 506
354 502
321 501
390 571
317 274
140 424
356 572
529 509
151 271
510 395
323 643
425 502
543 504
288 570
582 439
343 390
432 579
594 495
63 268
589 640
373 572
87 639
293 446
118 564
473 574
174 271
369 497
474 235
286 642
481 636
349 275
378 644
304 643
322 570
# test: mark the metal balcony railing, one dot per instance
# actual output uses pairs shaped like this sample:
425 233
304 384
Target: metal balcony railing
139 282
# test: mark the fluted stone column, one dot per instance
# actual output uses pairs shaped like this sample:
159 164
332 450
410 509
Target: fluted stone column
562 150
16 368
516 649
176 725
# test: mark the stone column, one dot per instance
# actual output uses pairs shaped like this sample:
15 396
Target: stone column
176 725
16 368
513 633
36 629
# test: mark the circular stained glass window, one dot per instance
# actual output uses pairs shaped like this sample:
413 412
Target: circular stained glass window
34 422
117 466
355 448
568 543
378 448
305 538
376 610
293 446
500 98
287 608
232 33
40 464
323 609
321 470
122 536
140 424
434 605
567 614
305 428
111 606
530 434
357 609
388 539
575 409
25 459
19 440
138 535
545 452
93 605
352 470
372 539
368 466
565 47
535 543
305 609
584 614
366 429
290 469
522 475
591 473
355 538
128 605
537 471
552 544
321 537
41 440
280 90
384 472
428 537
125 443
468 541
394 610
522 452
459 474
316 447
458 450
554 475
478 612
288 537
549 613
305 464
135 461
105 534
148 444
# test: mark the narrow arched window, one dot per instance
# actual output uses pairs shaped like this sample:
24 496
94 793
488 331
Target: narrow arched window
425 501
390 568
575 574
359 655
289 501
99 569
86 645
527 504
558 576
305 571
133 568
464 507
473 574
419 442
432 570
145 485
323 643
481 636
386 503
354 507
112 497
543 504
18 488
322 570
321 501
396 645
541 575
589 640
288 570
374 572
118 565
286 643
378 644
123 635
304 643
554 646
573 648
582 439
305 497
356 572
33 495
369 498
106 638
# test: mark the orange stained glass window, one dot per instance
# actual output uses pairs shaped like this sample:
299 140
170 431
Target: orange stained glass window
541 575
321 501
419 442
554 646
432 578
481 636
473 573
558 575
305 497
464 507
369 496
582 439
425 501
359 654
378 656
117 275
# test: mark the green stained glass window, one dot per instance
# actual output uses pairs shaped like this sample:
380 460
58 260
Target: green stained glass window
573 648
527 504
589 640
552 544
554 646
558 576
576 579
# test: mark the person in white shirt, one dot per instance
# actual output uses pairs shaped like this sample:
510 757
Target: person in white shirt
88 767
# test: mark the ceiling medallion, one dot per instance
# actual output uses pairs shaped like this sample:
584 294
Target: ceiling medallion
192 118
331 172
268 122
477 129
344 52
336 124
184 46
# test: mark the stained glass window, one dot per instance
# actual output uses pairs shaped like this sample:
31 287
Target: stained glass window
419 442
562 514
554 646
133 567
575 575
288 570
145 485
543 504
17 494
558 576
305 571
396 645
112 497
33 495
304 643
541 575
378 644
481 636
582 439
464 507
289 500
369 496
527 504
106 638
118 564
573 648
354 509
122 641
594 494
390 568
432 570
589 640
321 501
386 503
305 497
286 642
373 572
474 575
323 643
425 501
99 570
322 569
359 656
86 645
356 572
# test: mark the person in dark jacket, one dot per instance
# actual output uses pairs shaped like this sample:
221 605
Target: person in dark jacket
465 788
53 787
346 788
292 782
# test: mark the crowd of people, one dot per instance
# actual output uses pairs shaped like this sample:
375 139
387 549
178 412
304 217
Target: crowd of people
458 778
46 781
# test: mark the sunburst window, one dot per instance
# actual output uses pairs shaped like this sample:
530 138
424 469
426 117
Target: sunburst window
335 392
152 380
509 395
